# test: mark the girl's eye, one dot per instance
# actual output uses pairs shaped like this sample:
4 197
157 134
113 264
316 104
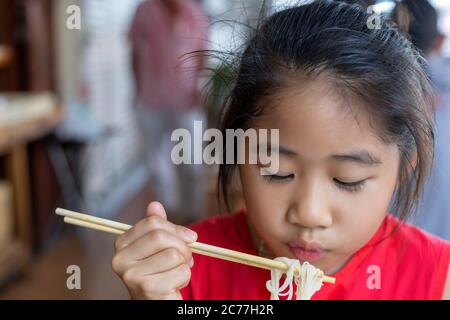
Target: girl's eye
278 178
350 186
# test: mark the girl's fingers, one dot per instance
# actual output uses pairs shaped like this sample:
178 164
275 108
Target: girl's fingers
155 208
160 262
167 283
141 228
149 224
154 242
150 244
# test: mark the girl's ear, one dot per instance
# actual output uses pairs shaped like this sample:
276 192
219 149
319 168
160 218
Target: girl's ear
438 44
413 163
413 160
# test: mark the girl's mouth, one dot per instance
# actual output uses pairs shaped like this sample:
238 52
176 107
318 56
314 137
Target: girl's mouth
306 251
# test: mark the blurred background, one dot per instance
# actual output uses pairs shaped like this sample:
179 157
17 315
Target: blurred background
87 106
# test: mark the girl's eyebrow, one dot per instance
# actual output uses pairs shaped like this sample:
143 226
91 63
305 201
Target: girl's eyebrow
281 149
287 151
362 156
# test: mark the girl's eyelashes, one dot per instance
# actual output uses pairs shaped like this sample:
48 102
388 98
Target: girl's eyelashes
347 186
278 178
350 186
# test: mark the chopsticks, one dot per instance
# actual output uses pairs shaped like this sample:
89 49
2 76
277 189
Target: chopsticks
105 225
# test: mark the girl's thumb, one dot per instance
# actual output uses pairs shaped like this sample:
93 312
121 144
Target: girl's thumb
156 209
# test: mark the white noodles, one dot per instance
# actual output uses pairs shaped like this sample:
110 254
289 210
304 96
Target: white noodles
308 280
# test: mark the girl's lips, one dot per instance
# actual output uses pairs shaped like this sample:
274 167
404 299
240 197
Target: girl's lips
307 251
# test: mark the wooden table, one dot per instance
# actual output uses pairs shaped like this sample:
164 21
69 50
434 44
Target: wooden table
26 117
23 119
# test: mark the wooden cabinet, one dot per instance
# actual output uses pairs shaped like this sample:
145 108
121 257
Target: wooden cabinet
26 64
24 118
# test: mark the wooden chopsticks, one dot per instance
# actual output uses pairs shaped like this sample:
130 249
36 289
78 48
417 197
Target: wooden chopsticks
105 225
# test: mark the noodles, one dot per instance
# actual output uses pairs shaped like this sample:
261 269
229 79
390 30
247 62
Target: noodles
309 283
273 285
308 280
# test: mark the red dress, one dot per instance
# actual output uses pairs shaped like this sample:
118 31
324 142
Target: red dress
412 265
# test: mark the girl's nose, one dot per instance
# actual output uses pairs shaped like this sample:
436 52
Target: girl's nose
310 208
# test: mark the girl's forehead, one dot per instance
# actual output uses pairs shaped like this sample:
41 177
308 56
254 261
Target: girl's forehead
311 104
316 117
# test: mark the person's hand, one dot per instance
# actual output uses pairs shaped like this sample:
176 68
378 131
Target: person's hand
153 258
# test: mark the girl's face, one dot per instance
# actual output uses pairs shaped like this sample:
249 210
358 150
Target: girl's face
334 184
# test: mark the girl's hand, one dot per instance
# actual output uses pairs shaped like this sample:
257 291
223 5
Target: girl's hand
153 258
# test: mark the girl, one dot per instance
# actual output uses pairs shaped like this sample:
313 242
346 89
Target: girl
354 111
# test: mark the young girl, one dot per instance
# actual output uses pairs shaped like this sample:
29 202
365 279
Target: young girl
354 111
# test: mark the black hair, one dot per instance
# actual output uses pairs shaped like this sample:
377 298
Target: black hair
377 66
424 24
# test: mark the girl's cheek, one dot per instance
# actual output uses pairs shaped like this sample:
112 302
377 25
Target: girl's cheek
356 222
271 200
264 202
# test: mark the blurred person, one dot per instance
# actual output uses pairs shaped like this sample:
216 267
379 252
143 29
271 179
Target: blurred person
167 95
425 35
